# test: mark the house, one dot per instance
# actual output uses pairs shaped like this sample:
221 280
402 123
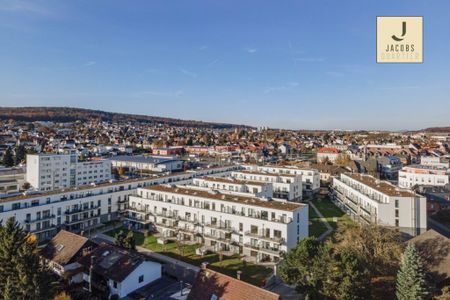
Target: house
213 285
435 252
63 251
112 270
331 154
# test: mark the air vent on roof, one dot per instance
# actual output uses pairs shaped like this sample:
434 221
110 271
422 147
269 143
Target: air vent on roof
106 253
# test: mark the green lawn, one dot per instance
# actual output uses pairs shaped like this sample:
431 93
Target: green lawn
316 227
333 214
251 273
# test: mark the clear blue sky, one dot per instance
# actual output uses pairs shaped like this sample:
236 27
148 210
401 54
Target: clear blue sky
290 64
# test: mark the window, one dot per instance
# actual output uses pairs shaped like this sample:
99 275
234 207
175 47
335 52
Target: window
115 284
141 278
396 223
396 203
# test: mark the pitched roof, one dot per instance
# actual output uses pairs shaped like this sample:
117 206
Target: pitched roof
63 247
328 150
113 262
210 283
435 252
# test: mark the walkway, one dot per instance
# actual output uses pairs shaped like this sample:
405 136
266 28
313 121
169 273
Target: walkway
324 221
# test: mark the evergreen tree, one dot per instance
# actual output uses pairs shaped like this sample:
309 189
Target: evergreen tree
22 276
411 278
8 159
21 153
120 238
129 241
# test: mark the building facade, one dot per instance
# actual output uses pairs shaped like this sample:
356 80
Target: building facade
430 175
370 200
83 208
48 172
310 177
259 228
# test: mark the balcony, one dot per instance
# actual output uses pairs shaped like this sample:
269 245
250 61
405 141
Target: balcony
139 210
51 227
278 240
81 209
81 220
172 226
43 218
136 219
219 227
266 250
222 239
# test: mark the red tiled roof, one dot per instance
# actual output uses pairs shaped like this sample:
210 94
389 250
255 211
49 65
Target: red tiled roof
210 283
328 150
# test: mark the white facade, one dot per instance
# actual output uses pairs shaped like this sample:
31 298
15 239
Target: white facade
251 226
430 175
149 163
82 208
310 177
257 189
48 172
435 161
285 186
145 273
373 201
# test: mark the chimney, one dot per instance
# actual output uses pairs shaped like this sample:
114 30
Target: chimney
239 272
204 265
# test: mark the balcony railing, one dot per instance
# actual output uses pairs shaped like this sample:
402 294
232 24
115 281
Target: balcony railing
43 218
274 239
51 227
81 209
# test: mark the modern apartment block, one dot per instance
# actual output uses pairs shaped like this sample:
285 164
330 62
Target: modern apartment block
285 186
232 185
437 161
310 177
370 200
430 175
48 172
258 228
83 208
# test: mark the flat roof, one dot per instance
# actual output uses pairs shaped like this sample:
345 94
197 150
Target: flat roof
286 206
232 180
99 185
266 173
381 186
142 159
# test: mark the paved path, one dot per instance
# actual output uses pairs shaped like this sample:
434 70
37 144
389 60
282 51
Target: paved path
324 221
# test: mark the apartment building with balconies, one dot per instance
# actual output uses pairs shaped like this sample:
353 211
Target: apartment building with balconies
81 209
285 186
374 201
259 228
429 175
233 185
310 177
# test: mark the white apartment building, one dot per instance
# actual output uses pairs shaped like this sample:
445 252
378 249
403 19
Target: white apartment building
256 188
370 200
285 186
259 228
149 163
83 208
48 172
412 175
310 177
436 161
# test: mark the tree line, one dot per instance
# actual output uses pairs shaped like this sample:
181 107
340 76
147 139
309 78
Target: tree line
359 262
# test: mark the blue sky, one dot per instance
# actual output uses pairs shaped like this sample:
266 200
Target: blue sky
285 64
